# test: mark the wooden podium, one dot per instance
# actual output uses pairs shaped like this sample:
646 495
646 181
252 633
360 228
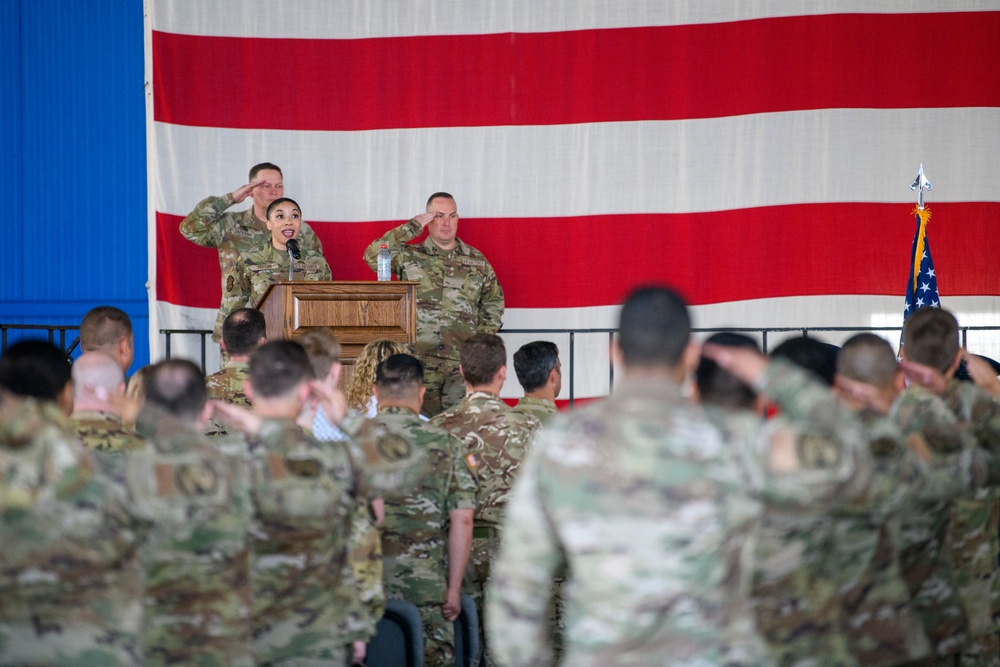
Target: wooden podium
359 311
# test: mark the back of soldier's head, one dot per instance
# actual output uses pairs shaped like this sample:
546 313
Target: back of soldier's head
654 328
278 368
399 377
103 327
717 386
481 357
177 387
810 354
868 358
930 337
242 331
96 372
322 348
35 368
534 362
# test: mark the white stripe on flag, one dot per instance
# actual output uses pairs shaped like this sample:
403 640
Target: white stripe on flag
830 155
363 19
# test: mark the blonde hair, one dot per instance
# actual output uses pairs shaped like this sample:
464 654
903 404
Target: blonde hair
359 391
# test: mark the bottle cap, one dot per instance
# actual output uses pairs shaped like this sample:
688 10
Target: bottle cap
384 245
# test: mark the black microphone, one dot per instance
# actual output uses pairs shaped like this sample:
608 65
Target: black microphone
293 248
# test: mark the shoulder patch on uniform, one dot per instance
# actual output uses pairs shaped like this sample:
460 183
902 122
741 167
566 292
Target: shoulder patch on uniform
392 447
230 282
307 468
471 461
198 479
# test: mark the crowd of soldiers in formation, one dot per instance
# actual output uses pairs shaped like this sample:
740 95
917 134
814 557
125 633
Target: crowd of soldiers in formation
822 507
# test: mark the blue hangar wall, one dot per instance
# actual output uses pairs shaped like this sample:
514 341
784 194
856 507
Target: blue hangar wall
73 167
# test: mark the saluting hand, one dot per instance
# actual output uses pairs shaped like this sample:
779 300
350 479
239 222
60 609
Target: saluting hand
242 192
424 218
929 378
982 373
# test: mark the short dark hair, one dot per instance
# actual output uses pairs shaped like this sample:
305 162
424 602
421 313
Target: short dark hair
277 202
278 367
400 376
322 348
654 327
176 386
439 195
717 386
481 357
242 330
257 168
35 368
533 362
103 326
868 358
811 354
930 337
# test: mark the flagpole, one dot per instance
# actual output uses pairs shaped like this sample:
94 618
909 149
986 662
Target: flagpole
921 184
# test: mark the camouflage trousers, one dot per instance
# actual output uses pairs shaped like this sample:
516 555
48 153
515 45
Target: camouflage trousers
439 636
485 543
444 383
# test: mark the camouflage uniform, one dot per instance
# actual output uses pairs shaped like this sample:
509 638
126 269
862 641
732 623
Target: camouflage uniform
362 601
415 532
104 431
70 588
233 233
539 408
496 440
364 594
303 493
830 582
226 385
255 270
973 535
458 296
649 506
925 557
195 559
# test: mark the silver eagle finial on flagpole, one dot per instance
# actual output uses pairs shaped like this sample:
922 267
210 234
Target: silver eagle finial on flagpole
921 184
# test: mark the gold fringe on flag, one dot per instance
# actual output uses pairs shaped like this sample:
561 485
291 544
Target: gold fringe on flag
925 215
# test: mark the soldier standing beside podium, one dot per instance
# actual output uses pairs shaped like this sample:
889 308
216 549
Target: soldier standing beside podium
458 295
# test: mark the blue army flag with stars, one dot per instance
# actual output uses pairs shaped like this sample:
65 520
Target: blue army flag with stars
921 284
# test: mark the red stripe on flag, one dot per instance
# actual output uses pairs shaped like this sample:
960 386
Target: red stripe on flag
711 257
627 74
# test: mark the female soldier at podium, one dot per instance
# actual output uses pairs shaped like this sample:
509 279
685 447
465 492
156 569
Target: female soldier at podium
256 269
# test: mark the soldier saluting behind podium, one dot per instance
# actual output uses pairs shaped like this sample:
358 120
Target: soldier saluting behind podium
212 226
458 295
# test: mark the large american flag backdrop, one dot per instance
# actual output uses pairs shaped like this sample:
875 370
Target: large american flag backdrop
757 156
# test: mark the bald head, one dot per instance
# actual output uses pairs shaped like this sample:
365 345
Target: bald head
96 377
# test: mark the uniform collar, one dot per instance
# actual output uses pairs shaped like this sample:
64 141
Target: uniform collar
435 249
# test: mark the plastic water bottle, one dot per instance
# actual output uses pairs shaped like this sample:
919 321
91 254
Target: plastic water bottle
384 263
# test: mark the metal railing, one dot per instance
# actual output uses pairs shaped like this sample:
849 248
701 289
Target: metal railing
57 335
764 332
53 332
